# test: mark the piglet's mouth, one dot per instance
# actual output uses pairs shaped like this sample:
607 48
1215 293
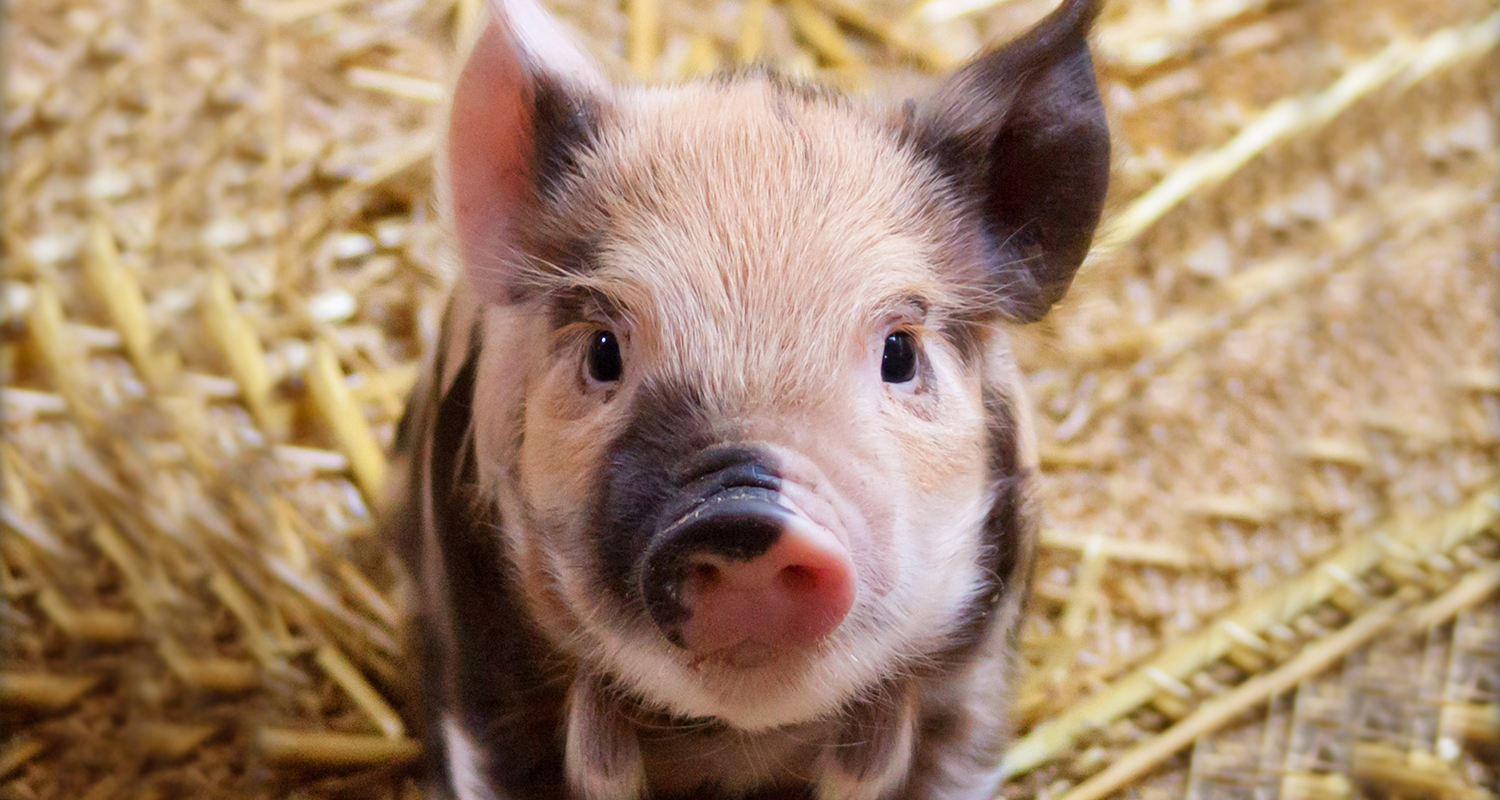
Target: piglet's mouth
741 579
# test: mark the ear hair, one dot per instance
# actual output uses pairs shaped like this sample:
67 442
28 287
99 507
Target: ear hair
1021 134
547 45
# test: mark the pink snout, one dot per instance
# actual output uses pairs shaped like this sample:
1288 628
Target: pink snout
743 578
792 596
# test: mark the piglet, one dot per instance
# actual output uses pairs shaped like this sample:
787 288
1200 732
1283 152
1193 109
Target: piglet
717 482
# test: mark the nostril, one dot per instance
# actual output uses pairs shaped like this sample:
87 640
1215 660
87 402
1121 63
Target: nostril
742 568
798 579
705 576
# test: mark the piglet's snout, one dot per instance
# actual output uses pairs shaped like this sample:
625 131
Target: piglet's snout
742 577
794 595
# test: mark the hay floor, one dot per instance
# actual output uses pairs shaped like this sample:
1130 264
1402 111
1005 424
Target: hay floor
1270 410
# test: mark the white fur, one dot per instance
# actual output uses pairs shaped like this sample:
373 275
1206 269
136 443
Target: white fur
935 576
836 784
547 44
464 764
591 719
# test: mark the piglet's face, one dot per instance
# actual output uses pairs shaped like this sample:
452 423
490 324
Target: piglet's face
744 399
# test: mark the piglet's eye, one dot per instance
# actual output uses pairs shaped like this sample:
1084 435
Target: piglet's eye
899 363
604 360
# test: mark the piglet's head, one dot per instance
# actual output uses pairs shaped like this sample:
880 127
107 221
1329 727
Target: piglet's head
745 400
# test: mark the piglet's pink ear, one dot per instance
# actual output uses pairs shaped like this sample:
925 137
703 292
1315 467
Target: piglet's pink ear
527 98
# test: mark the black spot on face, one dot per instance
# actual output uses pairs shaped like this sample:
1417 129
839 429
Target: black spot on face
668 424
732 521
671 456
720 467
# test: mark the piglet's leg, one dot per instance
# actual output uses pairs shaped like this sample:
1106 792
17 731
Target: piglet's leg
872 754
603 753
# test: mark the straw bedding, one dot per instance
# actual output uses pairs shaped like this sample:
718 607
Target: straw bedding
1270 410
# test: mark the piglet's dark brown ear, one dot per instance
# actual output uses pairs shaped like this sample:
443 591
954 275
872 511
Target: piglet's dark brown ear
1022 133
527 97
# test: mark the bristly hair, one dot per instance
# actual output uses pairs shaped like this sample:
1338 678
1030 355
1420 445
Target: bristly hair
784 84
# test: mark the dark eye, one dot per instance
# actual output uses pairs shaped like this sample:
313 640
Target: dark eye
605 364
899 364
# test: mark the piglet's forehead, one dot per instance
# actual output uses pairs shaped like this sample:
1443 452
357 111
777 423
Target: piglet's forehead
763 192
753 146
